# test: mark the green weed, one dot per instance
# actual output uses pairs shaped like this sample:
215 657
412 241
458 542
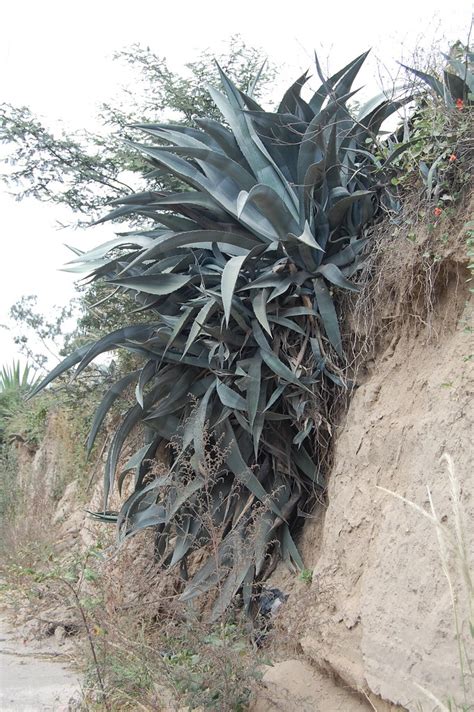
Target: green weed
306 575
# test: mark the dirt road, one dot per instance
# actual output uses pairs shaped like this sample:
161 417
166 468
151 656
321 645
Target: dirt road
34 676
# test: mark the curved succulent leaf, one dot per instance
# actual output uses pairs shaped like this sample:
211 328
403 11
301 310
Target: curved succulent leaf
127 335
109 399
155 284
328 314
229 397
67 363
230 276
432 82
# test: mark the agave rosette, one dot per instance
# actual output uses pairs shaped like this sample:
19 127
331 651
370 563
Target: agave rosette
238 275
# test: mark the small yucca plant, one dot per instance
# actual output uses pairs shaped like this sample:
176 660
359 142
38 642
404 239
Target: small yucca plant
238 274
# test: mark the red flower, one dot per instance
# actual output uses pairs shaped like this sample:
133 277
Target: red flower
453 158
459 104
437 212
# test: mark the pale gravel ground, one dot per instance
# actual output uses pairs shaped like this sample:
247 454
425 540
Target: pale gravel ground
34 677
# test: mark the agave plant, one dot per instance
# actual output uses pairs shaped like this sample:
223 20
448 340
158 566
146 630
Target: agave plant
456 86
239 274
17 378
15 382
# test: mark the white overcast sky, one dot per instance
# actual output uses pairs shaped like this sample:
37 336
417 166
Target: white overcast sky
56 57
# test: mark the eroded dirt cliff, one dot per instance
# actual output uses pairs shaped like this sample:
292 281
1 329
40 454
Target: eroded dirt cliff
379 614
